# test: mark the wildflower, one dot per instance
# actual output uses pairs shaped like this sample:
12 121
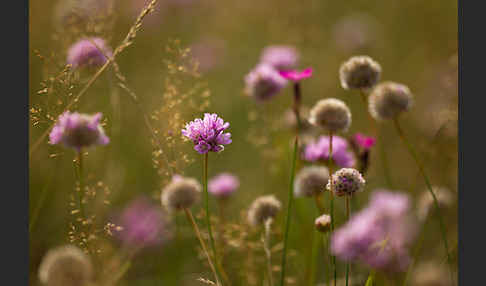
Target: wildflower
181 193
280 57
331 114
264 82
223 185
346 181
296 75
379 235
263 208
311 181
65 266
88 52
426 202
143 224
389 99
359 72
364 142
323 223
319 151
75 130
207 134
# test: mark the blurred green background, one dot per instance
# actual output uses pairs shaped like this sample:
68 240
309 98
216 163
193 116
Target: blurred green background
414 41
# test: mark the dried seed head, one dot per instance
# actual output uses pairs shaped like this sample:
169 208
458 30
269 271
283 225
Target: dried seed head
180 193
311 181
346 181
388 100
331 114
263 208
359 72
323 223
65 266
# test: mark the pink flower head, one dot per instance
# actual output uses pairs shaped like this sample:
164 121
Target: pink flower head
296 75
319 151
223 185
207 134
75 130
280 57
363 141
264 82
88 52
143 224
379 235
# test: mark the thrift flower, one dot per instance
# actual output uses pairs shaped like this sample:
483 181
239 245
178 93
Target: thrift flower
180 193
331 114
296 75
66 266
264 82
223 185
389 99
143 224
263 208
364 142
207 134
346 182
85 53
323 223
319 151
379 235
280 57
75 130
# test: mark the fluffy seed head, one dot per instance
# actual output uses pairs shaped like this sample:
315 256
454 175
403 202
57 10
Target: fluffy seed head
388 100
331 114
323 223
359 72
88 52
264 82
263 208
346 181
426 202
180 193
65 266
311 181
75 130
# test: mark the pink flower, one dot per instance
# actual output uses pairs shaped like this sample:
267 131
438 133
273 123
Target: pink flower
296 75
363 141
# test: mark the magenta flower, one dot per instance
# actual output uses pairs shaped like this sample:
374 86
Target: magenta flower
223 185
207 133
85 53
363 141
263 82
75 130
296 75
280 57
379 235
143 224
319 151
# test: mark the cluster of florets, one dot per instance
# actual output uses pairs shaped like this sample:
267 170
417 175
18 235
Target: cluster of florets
223 185
88 52
346 182
319 151
208 134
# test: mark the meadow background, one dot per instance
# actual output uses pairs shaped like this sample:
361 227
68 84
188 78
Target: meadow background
414 41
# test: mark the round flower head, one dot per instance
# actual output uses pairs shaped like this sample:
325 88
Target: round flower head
331 114
323 223
263 82
310 181
180 193
88 52
360 72
223 185
319 151
426 202
346 182
65 266
75 130
280 57
263 208
389 99
207 134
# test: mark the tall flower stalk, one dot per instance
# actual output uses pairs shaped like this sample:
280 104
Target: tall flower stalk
331 202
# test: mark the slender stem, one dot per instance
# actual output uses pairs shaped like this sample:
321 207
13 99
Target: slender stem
315 246
348 212
201 241
266 247
371 278
320 207
370 119
326 243
429 187
333 258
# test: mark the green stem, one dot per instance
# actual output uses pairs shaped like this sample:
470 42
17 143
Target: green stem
371 279
348 212
429 187
268 252
315 246
333 258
